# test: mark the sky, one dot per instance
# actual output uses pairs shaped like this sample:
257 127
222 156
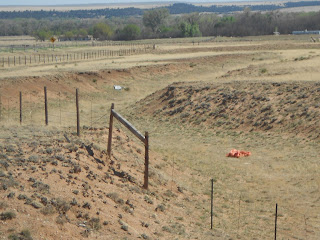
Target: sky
77 2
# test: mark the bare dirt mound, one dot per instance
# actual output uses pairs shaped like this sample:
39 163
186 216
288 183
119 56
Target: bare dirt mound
56 187
251 106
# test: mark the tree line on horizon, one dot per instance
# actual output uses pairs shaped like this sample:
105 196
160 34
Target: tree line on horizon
159 23
176 8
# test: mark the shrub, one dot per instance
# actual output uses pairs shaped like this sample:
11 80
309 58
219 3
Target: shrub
94 223
3 205
48 210
24 235
263 70
7 216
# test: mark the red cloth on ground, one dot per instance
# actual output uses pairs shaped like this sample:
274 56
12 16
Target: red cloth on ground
237 153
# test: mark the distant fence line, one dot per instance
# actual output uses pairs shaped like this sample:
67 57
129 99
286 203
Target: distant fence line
12 61
46 45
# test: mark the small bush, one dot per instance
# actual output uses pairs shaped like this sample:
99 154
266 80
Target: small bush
94 224
24 235
3 205
115 197
148 200
161 208
62 206
61 219
7 216
48 210
263 70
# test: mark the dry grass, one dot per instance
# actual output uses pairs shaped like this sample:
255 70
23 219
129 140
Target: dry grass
283 167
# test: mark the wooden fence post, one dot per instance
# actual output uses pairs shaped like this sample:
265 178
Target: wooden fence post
146 163
20 108
46 105
211 204
78 115
0 108
110 131
275 223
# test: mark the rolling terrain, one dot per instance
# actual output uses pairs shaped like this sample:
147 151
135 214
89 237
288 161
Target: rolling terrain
197 102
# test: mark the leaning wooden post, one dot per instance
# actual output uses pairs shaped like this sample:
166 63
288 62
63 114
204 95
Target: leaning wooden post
20 108
110 131
78 115
146 163
46 105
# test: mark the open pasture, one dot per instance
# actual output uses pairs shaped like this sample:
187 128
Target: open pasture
198 99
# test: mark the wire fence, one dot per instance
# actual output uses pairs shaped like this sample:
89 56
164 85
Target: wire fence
35 47
243 215
35 58
61 110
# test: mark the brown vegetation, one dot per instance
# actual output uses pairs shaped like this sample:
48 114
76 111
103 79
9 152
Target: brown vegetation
259 96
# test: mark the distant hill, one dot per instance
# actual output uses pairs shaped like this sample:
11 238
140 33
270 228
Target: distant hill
176 8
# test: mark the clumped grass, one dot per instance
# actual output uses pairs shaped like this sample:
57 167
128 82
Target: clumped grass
161 207
94 224
192 64
148 200
23 235
3 205
301 58
263 70
61 219
48 210
62 206
115 197
7 215
42 187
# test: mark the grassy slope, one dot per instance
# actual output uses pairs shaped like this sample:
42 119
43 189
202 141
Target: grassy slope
282 168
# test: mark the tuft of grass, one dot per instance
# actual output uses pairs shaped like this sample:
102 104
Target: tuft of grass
48 210
192 64
7 215
3 205
23 235
301 58
94 224
263 70
115 197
